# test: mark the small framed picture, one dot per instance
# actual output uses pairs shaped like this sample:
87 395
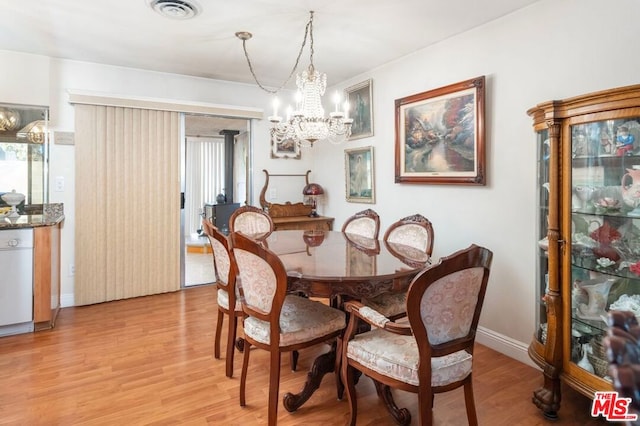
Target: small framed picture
359 170
287 148
440 135
360 100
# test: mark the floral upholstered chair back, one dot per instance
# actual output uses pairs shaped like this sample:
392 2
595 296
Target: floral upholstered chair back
250 221
444 302
262 278
365 223
414 231
221 258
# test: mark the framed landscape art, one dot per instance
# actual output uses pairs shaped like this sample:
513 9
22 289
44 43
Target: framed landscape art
359 175
285 149
360 98
440 135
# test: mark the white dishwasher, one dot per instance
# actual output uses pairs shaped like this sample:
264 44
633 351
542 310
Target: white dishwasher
16 281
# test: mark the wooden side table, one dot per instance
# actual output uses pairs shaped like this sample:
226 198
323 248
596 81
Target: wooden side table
320 223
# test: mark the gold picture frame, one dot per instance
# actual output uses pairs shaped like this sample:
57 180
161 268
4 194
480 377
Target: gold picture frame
359 175
360 98
287 149
440 135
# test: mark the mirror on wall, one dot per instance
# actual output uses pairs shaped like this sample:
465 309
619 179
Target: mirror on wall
24 151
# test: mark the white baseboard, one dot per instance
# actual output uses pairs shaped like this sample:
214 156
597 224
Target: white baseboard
67 300
505 345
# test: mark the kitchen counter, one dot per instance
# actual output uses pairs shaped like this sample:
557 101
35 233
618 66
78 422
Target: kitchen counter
45 221
51 214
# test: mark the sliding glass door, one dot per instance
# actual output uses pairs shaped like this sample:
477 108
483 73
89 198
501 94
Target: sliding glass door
215 157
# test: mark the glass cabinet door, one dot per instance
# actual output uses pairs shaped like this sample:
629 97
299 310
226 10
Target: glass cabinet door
24 151
605 233
542 269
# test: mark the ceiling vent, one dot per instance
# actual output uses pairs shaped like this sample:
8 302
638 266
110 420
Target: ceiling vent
175 9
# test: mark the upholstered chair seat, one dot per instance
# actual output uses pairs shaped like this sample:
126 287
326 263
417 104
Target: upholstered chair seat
398 357
391 305
301 320
223 301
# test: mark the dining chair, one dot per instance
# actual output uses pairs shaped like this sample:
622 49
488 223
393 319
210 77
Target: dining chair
416 232
227 295
251 220
365 223
431 354
275 320
258 225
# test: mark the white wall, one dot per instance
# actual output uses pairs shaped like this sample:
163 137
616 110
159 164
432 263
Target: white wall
551 50
39 80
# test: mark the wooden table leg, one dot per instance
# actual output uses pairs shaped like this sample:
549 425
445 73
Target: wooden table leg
322 365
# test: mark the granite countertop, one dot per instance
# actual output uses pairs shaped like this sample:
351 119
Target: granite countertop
51 214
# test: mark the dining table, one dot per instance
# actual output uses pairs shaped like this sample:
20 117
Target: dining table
340 266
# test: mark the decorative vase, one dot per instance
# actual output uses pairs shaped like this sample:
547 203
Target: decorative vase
598 292
12 199
584 194
584 362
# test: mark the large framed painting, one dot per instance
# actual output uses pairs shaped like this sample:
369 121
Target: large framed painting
287 148
360 98
440 135
359 173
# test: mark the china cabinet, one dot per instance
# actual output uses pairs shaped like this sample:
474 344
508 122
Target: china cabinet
588 230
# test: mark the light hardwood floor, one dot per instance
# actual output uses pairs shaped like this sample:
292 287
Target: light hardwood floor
150 360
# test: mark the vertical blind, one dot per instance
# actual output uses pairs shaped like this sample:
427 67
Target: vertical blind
205 173
127 233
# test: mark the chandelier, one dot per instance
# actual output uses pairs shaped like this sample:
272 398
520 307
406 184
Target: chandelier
307 123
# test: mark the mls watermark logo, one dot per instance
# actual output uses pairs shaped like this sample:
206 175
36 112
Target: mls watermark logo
612 407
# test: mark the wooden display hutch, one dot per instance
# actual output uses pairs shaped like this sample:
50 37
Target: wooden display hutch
293 215
588 225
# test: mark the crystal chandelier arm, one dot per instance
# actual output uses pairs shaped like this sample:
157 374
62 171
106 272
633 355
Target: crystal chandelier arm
307 31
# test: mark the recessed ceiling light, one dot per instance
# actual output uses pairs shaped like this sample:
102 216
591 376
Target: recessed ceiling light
175 9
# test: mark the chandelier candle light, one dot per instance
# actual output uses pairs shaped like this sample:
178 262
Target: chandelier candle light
306 123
